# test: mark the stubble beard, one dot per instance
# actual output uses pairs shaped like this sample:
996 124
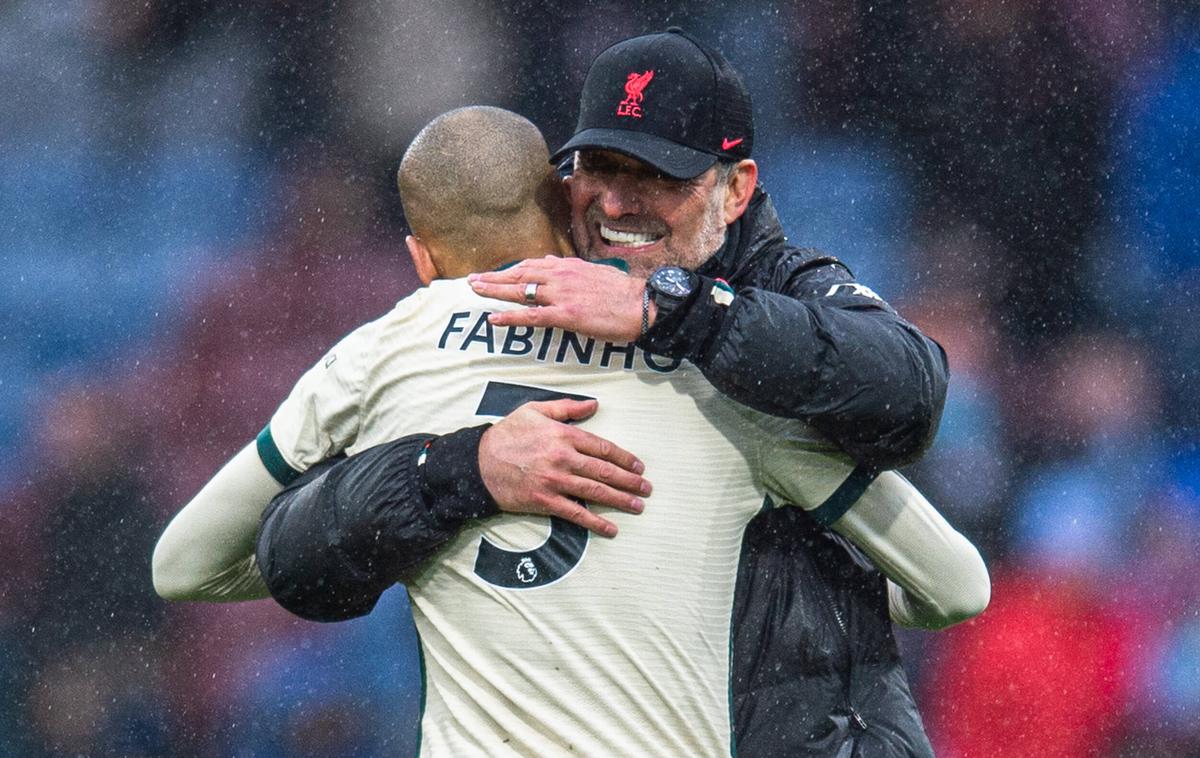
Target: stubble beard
687 256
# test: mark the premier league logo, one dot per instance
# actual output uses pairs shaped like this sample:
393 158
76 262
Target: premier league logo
526 570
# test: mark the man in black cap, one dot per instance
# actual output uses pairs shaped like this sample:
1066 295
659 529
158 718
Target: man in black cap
663 179
669 184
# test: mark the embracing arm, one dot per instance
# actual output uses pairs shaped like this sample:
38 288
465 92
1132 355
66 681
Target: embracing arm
801 340
936 577
207 551
338 537
817 346
335 540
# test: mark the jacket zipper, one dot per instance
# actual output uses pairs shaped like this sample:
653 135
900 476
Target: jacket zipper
859 721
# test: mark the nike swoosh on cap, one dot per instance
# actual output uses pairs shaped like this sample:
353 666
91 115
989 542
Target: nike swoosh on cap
729 144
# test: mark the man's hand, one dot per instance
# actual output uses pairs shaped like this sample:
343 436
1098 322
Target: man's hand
533 462
587 298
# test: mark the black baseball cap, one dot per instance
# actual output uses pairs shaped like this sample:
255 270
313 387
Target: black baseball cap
666 100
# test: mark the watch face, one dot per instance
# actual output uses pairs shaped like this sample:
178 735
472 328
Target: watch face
672 281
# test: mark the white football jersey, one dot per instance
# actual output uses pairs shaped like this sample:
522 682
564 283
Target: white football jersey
537 637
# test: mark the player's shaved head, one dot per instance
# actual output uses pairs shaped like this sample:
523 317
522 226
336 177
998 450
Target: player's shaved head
476 185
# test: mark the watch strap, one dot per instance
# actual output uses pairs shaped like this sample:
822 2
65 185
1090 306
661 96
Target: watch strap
692 327
645 309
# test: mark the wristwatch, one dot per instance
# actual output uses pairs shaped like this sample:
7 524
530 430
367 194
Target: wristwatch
670 286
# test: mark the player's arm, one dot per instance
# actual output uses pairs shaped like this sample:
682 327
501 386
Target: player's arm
207 551
936 576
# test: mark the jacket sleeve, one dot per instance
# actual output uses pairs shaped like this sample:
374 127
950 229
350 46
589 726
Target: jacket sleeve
816 345
347 530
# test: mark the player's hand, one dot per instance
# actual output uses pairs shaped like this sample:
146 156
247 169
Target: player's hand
587 298
533 462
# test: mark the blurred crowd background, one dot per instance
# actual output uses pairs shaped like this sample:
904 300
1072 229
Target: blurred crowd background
196 199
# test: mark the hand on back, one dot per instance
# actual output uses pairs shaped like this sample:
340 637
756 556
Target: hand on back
533 461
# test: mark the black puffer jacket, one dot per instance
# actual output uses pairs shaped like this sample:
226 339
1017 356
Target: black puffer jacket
816 671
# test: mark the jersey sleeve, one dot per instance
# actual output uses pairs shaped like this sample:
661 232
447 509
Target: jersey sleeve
207 551
800 467
321 415
936 576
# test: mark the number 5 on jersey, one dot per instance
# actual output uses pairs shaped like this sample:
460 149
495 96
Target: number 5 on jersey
565 544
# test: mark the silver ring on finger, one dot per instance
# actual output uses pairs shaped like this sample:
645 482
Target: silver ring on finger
531 292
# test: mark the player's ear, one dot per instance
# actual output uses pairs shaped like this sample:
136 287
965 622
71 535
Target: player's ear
554 202
740 189
422 260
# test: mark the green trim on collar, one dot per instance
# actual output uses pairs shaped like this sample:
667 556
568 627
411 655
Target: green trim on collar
269 453
618 263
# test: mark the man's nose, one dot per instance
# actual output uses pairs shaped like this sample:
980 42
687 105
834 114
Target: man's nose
620 197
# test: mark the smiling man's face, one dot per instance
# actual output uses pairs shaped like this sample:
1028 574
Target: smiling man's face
623 208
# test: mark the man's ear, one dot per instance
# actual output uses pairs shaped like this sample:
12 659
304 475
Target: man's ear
740 189
422 260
